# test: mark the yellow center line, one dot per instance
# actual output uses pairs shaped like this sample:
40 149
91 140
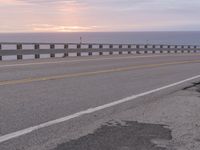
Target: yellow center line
56 77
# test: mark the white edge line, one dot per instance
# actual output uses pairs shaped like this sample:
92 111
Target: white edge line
88 111
83 60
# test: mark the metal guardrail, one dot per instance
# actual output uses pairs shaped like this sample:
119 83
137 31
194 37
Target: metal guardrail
37 49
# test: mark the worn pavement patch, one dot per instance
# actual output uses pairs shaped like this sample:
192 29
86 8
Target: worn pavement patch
127 135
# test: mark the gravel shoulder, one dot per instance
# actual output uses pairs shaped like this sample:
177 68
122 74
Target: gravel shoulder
179 111
170 123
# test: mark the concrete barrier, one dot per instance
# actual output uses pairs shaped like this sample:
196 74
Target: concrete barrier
90 48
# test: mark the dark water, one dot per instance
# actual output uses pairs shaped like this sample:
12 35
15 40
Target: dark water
111 37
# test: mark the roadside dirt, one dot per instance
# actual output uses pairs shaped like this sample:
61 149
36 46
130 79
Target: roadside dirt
170 123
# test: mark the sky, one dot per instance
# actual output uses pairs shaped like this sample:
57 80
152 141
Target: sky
99 15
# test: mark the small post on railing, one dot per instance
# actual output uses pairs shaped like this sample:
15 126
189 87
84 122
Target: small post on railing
79 48
52 47
0 50
111 47
66 54
100 47
90 48
37 47
129 49
19 47
120 47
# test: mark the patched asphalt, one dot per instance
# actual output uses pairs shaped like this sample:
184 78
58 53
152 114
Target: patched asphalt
128 135
30 104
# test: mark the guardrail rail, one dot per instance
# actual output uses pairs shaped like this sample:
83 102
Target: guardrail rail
37 49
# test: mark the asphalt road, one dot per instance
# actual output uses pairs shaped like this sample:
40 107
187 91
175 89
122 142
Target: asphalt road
33 92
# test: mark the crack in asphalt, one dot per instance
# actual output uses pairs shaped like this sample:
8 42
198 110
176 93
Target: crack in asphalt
194 87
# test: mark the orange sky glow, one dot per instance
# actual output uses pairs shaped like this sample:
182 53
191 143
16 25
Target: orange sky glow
98 16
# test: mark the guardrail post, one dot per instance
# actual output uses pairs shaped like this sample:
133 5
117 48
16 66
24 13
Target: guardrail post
153 47
182 49
129 49
79 47
110 51
168 51
66 46
161 51
189 48
145 46
19 47
137 47
120 47
52 46
195 47
0 50
90 47
100 47
37 47
176 48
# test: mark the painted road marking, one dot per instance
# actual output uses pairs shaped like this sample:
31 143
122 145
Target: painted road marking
91 59
57 77
88 111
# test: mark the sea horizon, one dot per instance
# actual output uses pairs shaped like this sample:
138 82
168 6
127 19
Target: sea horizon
133 37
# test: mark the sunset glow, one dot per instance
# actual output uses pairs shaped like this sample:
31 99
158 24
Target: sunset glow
95 15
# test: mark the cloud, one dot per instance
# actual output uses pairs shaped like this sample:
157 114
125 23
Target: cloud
60 28
9 2
99 15
48 2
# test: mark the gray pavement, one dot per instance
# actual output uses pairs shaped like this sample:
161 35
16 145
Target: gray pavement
86 82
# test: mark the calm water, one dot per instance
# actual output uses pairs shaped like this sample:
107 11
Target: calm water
112 37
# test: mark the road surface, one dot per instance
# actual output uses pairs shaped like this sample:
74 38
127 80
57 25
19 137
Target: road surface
80 91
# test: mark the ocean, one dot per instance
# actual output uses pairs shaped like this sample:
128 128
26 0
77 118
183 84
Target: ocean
107 37
185 38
